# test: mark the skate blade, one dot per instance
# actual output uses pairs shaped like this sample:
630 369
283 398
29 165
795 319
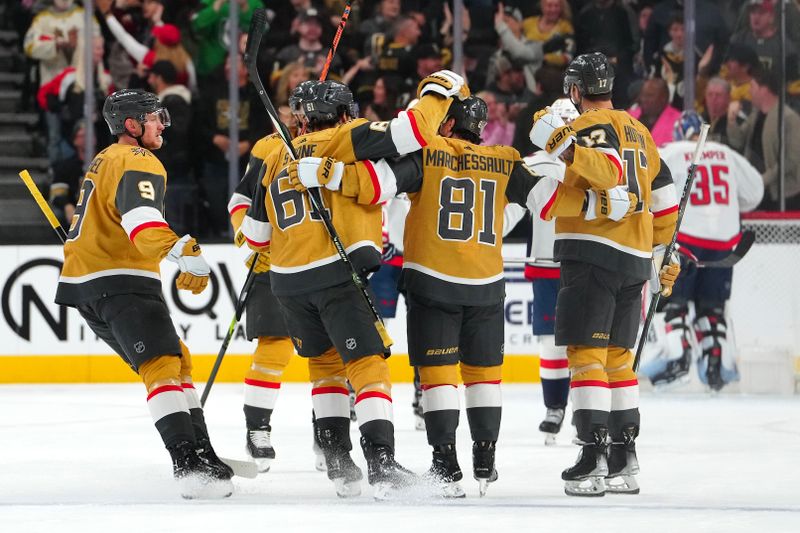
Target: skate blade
345 489
419 423
483 486
550 439
262 465
245 469
625 484
589 487
194 487
436 488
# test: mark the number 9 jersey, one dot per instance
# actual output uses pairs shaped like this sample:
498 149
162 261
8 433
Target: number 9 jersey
118 235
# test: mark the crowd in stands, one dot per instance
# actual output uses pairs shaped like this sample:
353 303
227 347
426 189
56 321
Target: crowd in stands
515 53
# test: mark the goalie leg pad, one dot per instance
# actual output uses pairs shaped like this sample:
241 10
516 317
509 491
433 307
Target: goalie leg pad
717 365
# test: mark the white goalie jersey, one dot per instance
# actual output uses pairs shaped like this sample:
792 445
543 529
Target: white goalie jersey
725 184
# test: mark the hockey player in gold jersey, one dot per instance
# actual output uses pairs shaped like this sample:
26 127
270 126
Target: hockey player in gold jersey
327 320
603 268
111 274
453 271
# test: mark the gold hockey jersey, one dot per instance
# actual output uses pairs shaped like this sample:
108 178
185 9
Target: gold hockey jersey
614 148
118 235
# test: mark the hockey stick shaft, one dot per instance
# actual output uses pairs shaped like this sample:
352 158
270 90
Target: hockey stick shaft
651 311
43 205
335 43
240 303
313 194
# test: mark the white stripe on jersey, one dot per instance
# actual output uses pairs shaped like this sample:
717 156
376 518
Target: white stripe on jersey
387 181
405 140
663 198
452 279
111 272
238 199
256 231
321 262
607 242
140 215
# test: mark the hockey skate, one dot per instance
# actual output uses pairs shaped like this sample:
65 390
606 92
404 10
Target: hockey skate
713 372
587 476
444 473
197 477
319 456
385 474
344 473
208 456
483 469
551 425
259 447
623 464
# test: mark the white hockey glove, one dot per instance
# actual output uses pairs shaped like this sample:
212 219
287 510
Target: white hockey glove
313 172
194 269
663 276
613 204
444 82
550 133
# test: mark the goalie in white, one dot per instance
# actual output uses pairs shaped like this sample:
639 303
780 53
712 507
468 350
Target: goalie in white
725 184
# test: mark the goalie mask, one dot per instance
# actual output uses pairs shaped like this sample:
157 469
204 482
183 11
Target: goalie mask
687 127
322 101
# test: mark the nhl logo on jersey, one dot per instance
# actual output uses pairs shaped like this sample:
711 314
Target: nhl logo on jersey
350 344
139 347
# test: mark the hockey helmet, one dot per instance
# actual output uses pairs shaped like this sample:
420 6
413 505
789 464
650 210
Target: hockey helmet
564 109
132 103
470 114
322 101
591 73
687 126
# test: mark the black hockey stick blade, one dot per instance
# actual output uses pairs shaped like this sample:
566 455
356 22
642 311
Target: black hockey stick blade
258 24
745 243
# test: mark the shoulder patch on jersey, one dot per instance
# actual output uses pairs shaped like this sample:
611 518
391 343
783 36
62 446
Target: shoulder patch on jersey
138 150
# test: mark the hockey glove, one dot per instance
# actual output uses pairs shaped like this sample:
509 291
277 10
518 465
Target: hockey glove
664 275
613 204
551 134
444 82
262 262
311 172
194 269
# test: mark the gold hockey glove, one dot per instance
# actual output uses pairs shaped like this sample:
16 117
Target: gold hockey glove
262 262
315 172
194 269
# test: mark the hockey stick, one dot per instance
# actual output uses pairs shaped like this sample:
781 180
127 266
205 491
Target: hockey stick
44 206
253 41
335 44
671 246
745 243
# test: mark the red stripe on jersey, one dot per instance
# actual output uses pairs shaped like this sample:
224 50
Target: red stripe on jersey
256 243
265 384
164 388
709 244
376 184
187 385
154 224
413 121
539 272
626 383
588 383
493 382
617 164
45 38
373 394
548 205
329 390
666 211
429 387
237 207
553 363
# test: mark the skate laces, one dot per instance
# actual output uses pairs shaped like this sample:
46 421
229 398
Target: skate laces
260 438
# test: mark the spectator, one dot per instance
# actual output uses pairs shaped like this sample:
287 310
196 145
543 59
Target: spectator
138 19
740 63
762 35
213 113
672 61
398 55
757 138
549 87
309 49
210 25
716 102
498 130
385 99
553 30
388 12
518 47
446 29
655 112
610 27
641 70
67 174
429 60
290 77
508 85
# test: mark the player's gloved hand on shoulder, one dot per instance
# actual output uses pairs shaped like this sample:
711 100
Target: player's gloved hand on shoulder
550 133
194 269
313 172
262 262
664 274
444 82
614 204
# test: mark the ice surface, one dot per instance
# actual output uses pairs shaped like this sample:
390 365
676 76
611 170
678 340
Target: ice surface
86 458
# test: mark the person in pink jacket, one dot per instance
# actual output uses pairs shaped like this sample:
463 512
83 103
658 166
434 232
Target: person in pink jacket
653 110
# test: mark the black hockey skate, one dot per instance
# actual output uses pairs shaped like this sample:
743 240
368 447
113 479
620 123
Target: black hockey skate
587 476
714 370
259 447
344 473
199 472
623 464
445 473
551 425
483 469
385 474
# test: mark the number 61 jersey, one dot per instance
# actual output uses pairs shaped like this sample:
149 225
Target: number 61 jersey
118 235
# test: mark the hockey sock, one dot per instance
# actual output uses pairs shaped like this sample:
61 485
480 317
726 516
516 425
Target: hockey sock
554 372
370 379
192 399
262 382
624 391
329 394
484 400
589 390
440 402
166 399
